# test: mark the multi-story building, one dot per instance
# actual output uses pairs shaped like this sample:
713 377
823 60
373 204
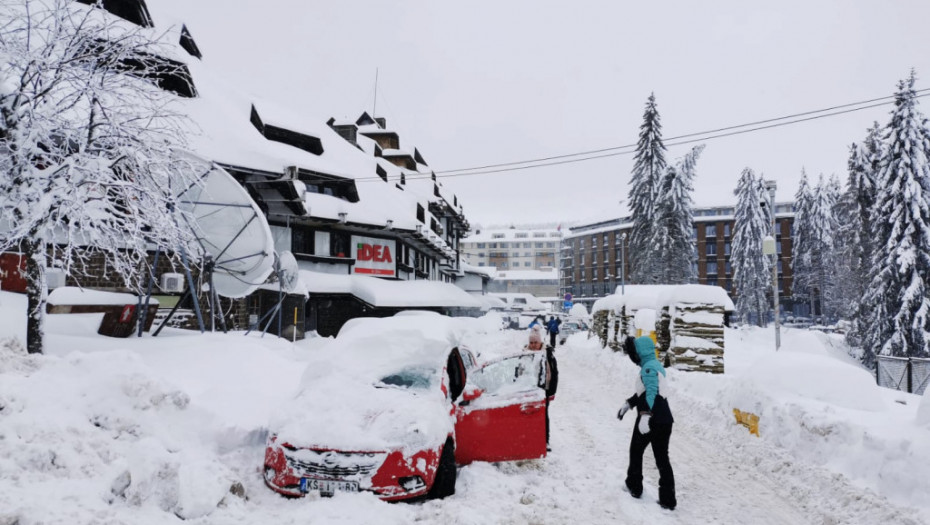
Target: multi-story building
513 249
595 257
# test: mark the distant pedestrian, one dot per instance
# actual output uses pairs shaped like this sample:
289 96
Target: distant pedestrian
653 421
552 326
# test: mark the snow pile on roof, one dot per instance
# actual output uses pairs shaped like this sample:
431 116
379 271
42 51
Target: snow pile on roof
490 271
527 275
385 293
72 295
657 296
527 299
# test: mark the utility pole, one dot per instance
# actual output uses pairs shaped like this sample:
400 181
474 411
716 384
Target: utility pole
770 185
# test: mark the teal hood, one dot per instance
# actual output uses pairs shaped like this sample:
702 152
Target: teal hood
646 350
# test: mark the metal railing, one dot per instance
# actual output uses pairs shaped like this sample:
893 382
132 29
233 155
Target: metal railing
907 374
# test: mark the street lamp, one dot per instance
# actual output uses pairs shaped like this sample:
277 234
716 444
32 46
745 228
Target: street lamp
769 247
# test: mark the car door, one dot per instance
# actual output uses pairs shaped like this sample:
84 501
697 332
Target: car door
502 414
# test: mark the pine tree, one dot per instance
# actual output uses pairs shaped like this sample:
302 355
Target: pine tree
751 270
648 170
899 288
674 253
802 244
823 227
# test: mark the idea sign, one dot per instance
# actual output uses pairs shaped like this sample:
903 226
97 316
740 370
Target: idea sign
374 256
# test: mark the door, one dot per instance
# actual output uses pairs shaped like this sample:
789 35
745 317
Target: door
507 421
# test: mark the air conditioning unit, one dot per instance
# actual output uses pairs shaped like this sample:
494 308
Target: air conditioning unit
172 283
54 278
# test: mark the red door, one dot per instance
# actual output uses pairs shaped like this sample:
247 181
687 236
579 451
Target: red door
507 421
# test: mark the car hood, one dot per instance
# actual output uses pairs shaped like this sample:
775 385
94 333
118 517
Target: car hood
351 416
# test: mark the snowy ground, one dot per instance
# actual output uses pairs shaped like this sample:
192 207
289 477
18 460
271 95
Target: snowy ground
145 431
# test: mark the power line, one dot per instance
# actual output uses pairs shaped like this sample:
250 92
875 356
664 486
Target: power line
610 152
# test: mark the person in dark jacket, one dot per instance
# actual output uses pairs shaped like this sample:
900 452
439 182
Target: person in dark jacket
653 421
552 326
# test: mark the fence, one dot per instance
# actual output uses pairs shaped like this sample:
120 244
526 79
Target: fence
907 374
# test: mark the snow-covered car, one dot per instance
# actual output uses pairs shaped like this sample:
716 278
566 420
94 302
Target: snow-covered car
393 405
571 327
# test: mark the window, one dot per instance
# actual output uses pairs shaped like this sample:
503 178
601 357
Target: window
710 230
726 230
503 265
482 245
555 234
134 11
729 268
527 254
711 268
539 245
694 268
778 247
527 263
550 245
301 241
726 248
493 245
537 235
520 235
527 245
339 241
321 243
779 267
712 281
480 254
497 236
694 232
711 248
481 264
605 240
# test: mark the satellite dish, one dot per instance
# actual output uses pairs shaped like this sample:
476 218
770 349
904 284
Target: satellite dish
288 272
230 229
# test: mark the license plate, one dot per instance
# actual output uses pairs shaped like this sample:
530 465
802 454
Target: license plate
327 487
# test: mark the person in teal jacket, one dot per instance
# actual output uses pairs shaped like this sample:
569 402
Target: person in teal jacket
653 421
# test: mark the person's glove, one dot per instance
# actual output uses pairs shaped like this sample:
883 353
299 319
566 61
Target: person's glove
644 423
623 410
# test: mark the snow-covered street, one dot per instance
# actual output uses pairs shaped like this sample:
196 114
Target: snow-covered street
146 431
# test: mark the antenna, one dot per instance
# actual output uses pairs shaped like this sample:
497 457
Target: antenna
374 106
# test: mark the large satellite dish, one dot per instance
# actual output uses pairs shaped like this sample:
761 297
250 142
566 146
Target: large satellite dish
231 231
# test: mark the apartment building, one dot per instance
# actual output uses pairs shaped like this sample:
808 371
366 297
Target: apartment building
594 258
513 249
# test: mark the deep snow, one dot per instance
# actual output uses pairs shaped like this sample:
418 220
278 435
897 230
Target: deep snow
141 431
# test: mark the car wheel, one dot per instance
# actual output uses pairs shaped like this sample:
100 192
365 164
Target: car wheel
444 484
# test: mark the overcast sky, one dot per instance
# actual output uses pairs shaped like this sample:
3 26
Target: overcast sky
491 81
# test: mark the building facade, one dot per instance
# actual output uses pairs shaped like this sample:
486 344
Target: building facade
595 257
513 249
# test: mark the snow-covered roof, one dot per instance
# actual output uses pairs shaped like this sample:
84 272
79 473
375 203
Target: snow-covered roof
392 294
507 234
527 275
488 271
531 300
657 296
72 295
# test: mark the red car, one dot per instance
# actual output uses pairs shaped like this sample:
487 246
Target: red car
393 405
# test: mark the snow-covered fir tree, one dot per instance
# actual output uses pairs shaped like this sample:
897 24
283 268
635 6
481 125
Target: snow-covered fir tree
673 249
898 296
87 145
648 169
854 236
822 246
803 280
751 270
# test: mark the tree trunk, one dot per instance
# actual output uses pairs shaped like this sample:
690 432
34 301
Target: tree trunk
36 293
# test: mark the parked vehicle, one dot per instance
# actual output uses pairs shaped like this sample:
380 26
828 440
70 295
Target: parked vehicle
393 405
571 327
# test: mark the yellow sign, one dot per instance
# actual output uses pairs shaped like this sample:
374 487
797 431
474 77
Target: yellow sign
748 420
651 335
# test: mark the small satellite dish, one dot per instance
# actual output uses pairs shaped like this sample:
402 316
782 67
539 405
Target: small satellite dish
230 229
288 272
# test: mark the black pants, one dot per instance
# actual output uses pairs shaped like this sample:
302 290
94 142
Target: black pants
659 437
552 336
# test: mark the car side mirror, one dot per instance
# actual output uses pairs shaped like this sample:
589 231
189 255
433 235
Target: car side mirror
470 393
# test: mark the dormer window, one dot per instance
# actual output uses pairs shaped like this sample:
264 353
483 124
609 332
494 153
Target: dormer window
302 141
165 73
187 42
134 11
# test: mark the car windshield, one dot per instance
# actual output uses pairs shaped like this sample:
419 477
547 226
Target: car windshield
412 378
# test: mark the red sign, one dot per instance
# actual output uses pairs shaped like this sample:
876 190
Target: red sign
374 256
